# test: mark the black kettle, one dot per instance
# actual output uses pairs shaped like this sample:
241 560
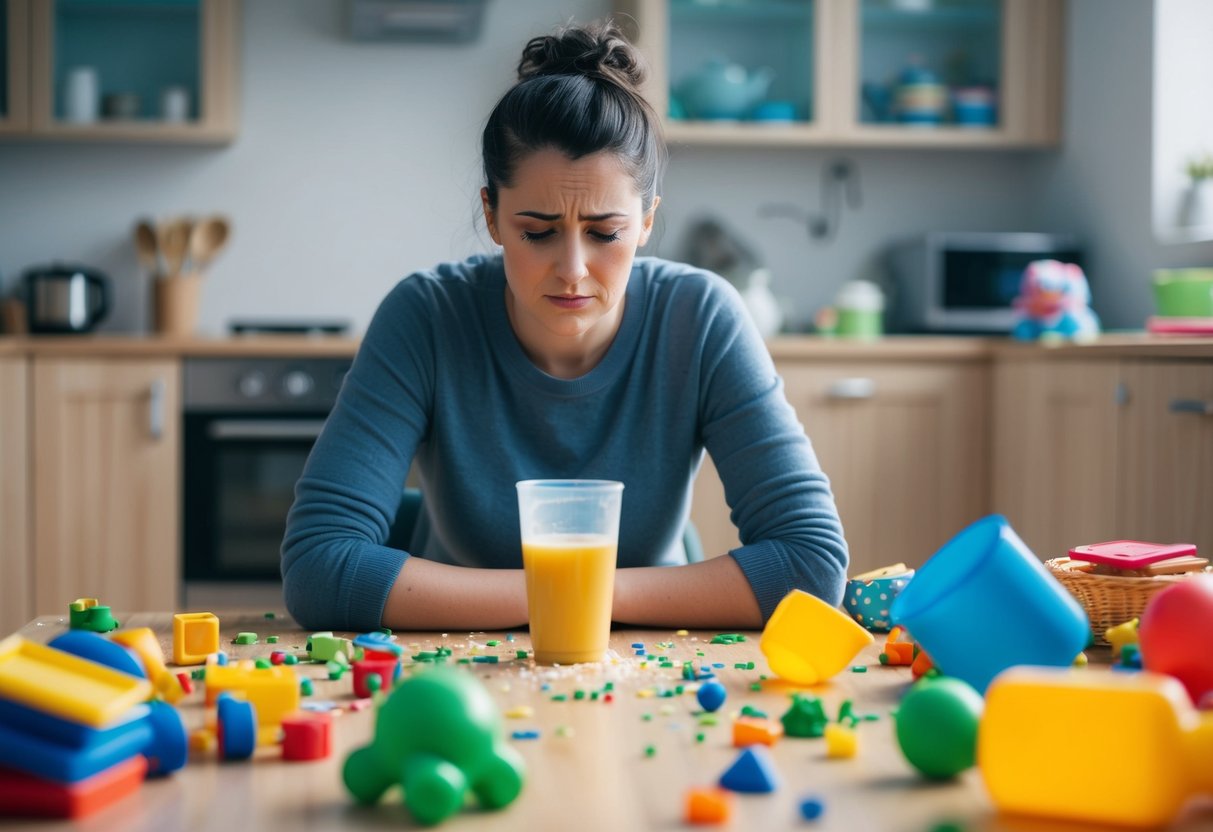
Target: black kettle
66 298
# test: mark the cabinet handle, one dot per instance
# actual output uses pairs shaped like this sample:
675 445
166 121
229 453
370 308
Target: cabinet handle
1191 406
156 410
852 388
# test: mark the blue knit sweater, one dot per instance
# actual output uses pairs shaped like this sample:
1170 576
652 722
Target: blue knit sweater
441 381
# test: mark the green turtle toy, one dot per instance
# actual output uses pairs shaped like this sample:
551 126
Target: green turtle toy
438 735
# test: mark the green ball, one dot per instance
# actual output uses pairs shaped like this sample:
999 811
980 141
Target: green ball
937 726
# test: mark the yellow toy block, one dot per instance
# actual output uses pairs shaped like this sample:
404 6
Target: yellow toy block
195 636
66 686
273 691
145 644
1122 749
841 741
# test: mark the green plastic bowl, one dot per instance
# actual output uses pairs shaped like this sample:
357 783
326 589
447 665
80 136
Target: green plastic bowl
1184 293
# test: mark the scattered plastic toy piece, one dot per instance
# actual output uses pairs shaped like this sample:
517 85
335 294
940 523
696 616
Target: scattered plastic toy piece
708 806
525 735
811 808
325 647
236 730
711 695
23 795
187 683
438 735
753 772
147 645
841 741
750 731
305 687
805 718
307 736
245 638
1130 657
384 671
1121 635
195 636
727 638
921 665
88 614
807 641
937 724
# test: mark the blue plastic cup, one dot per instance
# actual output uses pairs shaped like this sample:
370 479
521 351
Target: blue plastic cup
984 603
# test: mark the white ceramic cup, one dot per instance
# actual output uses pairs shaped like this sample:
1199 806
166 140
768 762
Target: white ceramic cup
175 104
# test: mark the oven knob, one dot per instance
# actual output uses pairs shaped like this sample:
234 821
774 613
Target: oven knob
252 385
297 384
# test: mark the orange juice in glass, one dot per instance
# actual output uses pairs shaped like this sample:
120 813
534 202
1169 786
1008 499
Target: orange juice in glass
570 535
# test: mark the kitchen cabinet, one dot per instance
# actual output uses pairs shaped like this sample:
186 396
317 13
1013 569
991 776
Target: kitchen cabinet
106 477
16 577
1166 452
892 73
1056 428
904 443
120 70
1104 449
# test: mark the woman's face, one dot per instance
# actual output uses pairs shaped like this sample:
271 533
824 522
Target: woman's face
569 230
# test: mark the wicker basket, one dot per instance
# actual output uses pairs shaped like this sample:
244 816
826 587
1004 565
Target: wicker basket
1110 600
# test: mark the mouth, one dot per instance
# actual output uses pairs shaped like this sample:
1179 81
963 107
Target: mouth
569 301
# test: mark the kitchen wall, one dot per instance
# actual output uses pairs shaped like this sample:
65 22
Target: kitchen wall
357 163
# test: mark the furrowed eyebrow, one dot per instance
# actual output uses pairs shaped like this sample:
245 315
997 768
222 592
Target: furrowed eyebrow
583 217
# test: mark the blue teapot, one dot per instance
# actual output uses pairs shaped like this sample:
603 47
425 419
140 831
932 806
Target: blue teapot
721 90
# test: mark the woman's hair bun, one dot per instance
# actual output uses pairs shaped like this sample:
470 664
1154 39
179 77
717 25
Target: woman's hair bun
596 50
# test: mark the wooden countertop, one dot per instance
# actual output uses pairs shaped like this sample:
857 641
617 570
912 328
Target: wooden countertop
783 348
595 777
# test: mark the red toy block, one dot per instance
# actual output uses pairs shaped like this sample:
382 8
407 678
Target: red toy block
385 669
23 795
307 735
187 684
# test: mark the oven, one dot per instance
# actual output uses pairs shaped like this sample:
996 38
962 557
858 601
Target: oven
249 425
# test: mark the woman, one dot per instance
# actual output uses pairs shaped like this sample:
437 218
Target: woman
562 357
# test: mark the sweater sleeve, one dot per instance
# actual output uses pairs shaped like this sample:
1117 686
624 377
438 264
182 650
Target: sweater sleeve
779 497
336 571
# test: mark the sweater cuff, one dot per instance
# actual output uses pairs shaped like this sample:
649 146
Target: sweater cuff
365 588
766 569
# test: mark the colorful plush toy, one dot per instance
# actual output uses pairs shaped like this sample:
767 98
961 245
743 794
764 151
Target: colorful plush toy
1054 302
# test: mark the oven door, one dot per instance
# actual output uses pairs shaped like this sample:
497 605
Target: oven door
240 475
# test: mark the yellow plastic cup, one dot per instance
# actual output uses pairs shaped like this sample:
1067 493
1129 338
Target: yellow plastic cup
807 641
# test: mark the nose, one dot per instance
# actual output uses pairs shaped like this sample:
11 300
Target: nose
571 267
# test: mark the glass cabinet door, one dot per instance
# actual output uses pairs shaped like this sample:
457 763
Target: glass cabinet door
745 62
931 63
126 61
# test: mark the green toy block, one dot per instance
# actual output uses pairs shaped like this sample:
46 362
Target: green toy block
438 736
87 614
326 647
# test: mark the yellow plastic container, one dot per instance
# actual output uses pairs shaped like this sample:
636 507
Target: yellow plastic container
66 686
1124 749
807 641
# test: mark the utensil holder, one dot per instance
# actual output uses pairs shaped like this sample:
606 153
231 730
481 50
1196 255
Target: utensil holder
175 300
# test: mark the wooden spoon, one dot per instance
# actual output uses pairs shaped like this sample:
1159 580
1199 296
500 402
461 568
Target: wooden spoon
146 246
208 238
174 243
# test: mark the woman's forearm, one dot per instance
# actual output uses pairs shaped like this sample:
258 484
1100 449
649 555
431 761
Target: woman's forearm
437 596
712 594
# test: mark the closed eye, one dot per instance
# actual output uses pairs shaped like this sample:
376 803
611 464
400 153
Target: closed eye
605 238
536 236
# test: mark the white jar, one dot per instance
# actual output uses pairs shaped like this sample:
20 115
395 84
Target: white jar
761 303
175 104
81 95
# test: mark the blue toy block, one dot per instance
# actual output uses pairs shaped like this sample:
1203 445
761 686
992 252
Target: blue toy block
237 727
378 641
753 772
99 649
61 731
51 761
169 747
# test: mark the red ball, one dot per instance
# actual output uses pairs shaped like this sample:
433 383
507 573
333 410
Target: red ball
1176 634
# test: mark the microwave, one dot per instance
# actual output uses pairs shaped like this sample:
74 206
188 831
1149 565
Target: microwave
965 282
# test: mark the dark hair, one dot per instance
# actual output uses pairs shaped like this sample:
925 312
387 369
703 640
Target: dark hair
577 92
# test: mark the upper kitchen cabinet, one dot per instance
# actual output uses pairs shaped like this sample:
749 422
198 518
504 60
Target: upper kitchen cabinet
14 57
893 73
122 70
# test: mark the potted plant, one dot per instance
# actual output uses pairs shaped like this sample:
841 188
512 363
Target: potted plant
1197 206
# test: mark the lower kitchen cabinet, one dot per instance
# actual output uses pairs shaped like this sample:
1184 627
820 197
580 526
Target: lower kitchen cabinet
1055 450
106 482
16 574
904 443
1097 449
1166 452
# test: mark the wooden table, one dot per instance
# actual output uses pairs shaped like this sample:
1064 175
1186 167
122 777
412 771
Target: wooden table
589 769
